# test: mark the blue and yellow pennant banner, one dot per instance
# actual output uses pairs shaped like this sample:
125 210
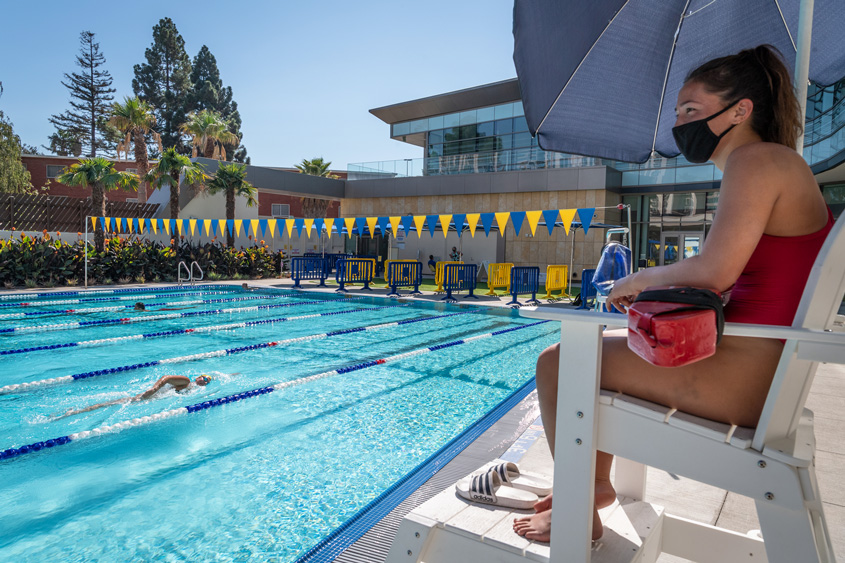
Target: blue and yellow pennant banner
273 228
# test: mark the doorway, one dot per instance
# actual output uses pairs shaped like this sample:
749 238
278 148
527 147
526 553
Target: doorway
677 246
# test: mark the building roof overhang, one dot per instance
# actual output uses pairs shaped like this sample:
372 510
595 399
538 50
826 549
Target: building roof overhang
451 102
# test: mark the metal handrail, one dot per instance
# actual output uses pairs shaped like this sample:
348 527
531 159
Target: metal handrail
202 274
179 277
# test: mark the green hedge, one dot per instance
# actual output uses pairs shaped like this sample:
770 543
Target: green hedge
41 260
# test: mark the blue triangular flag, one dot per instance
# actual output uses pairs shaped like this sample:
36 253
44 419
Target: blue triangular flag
550 217
299 224
103 223
586 215
431 221
148 224
123 228
230 226
214 227
263 224
135 224
173 231
384 225
517 217
318 223
459 219
408 224
487 222
361 225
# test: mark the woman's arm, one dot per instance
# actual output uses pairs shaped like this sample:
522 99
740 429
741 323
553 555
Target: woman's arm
752 184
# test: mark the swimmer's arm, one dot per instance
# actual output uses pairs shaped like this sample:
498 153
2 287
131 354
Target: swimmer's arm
98 406
178 381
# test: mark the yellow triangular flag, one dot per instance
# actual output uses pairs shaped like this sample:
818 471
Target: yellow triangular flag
329 223
444 223
472 219
254 224
193 224
349 223
371 224
154 223
129 224
179 225
566 215
94 223
394 224
502 221
309 224
289 227
271 226
167 226
221 226
206 223
238 224
419 221
141 226
533 219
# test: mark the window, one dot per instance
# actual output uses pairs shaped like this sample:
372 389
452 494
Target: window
131 170
131 199
281 210
53 171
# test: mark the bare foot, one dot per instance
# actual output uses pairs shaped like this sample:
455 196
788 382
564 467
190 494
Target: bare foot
543 504
605 493
539 526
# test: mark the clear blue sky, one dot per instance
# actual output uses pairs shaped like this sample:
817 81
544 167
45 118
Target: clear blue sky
304 74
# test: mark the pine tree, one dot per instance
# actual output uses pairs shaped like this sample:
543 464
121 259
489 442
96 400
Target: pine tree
164 82
208 93
91 97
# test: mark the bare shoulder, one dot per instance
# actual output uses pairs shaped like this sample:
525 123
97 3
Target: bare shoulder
768 159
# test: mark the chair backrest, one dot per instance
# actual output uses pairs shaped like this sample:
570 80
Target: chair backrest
819 304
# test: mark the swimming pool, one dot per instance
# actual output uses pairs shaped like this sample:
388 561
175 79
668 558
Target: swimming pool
319 404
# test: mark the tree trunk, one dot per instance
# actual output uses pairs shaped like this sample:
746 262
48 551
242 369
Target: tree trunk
230 214
174 203
142 162
98 207
313 207
208 151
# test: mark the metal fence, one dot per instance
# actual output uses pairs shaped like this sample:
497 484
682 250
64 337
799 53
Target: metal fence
61 213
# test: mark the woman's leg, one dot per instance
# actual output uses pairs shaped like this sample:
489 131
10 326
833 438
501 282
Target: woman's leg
730 386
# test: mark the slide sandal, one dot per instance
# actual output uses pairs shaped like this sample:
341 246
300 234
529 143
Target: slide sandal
487 488
511 477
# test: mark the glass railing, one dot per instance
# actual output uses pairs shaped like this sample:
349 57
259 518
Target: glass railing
825 138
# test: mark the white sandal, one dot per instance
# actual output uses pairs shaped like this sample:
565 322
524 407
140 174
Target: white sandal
487 488
512 477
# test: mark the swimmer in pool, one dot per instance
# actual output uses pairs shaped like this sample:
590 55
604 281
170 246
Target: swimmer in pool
178 382
139 306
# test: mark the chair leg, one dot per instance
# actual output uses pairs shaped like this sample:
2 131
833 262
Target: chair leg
790 535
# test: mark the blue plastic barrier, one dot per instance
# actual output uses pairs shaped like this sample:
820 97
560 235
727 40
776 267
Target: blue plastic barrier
405 274
308 268
350 270
379 264
588 290
525 279
458 277
331 257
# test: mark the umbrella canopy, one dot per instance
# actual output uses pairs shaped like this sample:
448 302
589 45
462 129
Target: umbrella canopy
601 78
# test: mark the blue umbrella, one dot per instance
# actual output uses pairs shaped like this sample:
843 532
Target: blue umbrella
601 78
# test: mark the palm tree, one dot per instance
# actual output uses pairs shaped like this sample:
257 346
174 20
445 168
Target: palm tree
171 168
208 131
100 175
135 119
311 206
231 179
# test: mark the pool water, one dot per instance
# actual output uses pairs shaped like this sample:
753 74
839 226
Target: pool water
260 479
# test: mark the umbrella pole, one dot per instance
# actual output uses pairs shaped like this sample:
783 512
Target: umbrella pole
802 61
571 258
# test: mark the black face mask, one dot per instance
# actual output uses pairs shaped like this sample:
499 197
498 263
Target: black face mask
696 141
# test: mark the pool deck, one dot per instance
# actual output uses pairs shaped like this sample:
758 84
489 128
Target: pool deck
520 433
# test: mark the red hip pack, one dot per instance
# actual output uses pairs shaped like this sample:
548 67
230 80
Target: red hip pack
675 326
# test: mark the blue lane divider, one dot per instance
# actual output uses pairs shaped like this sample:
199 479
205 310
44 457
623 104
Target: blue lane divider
183 331
150 307
111 291
37 446
216 353
109 299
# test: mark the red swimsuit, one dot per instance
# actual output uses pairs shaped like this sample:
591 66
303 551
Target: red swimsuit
770 287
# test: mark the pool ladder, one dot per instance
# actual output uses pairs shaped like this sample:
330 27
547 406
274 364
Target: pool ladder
190 271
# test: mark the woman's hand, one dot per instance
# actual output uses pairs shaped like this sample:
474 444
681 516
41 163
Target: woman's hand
624 292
